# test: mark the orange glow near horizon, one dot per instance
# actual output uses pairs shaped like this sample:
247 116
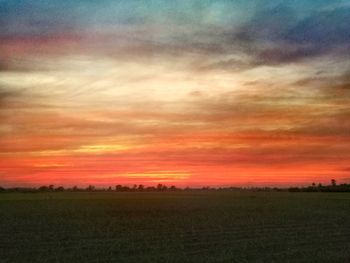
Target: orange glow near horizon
214 159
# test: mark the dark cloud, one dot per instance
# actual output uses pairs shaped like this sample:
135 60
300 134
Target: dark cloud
324 30
284 54
267 24
20 65
7 94
232 65
278 36
335 124
333 100
319 34
328 84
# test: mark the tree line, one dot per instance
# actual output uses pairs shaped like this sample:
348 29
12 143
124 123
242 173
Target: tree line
332 187
92 188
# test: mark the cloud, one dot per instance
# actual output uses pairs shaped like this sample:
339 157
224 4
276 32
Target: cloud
268 24
332 98
284 54
323 29
276 36
321 33
333 86
7 94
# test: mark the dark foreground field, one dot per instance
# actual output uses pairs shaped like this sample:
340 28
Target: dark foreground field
175 227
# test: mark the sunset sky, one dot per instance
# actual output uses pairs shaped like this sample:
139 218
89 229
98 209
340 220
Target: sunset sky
190 93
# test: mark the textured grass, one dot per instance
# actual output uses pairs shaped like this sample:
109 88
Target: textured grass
175 227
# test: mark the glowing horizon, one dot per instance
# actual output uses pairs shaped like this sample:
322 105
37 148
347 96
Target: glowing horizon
189 93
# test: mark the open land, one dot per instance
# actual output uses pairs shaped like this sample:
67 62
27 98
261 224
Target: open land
186 226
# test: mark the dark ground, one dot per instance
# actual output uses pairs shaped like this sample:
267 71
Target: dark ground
175 227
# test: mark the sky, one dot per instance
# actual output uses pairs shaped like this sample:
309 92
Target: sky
186 93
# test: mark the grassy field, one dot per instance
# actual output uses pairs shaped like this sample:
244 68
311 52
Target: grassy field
175 227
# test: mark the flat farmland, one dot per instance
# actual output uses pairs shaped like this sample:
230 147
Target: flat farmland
201 226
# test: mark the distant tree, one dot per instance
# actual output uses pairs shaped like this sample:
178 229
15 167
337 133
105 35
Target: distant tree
59 189
159 187
151 188
90 188
51 187
173 188
75 188
126 188
2 189
141 187
334 182
109 189
118 188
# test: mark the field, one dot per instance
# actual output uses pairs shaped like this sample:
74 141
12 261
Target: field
175 227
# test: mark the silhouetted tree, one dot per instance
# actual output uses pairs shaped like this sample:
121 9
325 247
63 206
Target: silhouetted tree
126 188
59 189
333 187
334 182
151 188
90 188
